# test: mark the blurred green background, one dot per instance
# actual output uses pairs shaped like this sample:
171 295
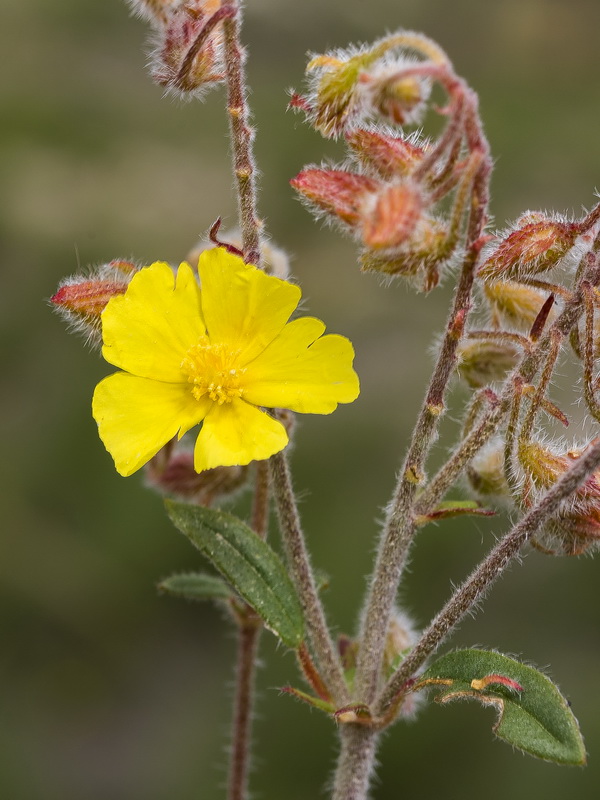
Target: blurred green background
107 690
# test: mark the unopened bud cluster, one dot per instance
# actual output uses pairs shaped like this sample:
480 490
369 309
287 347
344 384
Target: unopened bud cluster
519 307
389 192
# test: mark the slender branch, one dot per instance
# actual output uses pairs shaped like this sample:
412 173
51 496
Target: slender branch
465 599
241 139
249 630
399 526
304 581
248 637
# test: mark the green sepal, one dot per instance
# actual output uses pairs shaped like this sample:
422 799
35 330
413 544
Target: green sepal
247 563
196 586
532 714
316 702
454 508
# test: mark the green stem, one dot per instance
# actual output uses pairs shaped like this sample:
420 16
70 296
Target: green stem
302 575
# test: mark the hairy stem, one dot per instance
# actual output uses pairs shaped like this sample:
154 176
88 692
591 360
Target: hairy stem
249 631
466 598
304 581
356 762
241 139
399 526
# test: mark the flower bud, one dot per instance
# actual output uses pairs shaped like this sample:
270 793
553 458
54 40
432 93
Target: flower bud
514 305
335 192
178 62
417 258
400 98
335 100
173 473
274 260
534 247
81 300
155 11
571 533
483 361
388 156
486 472
393 216
545 467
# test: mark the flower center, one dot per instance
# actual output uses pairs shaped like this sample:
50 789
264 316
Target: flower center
212 370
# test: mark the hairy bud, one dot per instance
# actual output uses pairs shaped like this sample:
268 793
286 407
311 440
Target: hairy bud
173 473
483 361
393 217
81 300
189 54
533 248
400 98
387 156
486 472
335 192
514 305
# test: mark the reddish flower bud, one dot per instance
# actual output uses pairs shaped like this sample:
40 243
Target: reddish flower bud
532 248
81 301
483 361
389 156
393 217
418 258
335 192
173 473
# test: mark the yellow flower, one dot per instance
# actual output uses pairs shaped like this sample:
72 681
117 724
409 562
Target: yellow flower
213 355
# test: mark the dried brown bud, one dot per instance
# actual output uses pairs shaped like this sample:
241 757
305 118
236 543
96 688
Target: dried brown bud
532 248
483 361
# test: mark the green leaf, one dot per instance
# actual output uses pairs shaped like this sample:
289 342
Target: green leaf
533 715
196 586
247 563
316 702
454 508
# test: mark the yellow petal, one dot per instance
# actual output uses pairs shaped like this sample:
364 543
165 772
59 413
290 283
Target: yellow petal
237 433
137 416
148 330
303 372
243 307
